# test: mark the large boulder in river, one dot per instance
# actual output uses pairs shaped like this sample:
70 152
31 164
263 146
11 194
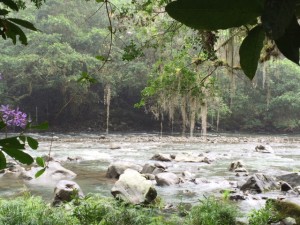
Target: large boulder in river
166 179
65 191
260 183
54 172
115 169
134 188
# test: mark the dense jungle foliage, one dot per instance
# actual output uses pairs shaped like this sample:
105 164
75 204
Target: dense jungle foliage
88 65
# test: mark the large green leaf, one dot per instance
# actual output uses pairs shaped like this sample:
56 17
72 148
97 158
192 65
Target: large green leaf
40 172
214 14
250 51
40 161
2 161
23 23
277 16
19 155
11 143
289 43
33 143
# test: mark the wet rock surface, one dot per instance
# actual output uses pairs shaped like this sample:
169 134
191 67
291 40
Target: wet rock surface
134 188
115 169
65 191
260 183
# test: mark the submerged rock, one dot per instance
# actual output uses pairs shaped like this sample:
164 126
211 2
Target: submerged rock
264 149
115 169
134 188
260 183
166 179
65 191
236 165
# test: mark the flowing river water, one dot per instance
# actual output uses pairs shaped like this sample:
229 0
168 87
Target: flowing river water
96 154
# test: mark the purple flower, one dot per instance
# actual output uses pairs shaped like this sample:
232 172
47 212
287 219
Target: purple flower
13 117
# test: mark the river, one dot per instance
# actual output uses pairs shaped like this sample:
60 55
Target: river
96 154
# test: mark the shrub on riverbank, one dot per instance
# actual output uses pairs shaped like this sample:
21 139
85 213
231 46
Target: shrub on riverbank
96 210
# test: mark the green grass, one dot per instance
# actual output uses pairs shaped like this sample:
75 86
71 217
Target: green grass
97 210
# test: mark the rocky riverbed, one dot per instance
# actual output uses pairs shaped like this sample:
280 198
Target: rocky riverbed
181 169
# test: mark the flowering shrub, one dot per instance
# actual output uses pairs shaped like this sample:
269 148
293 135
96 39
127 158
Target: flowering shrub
13 117
14 146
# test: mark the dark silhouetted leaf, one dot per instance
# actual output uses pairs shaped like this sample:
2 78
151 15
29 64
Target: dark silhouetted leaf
32 143
2 125
2 161
11 143
22 138
3 12
21 156
214 14
289 43
11 4
39 173
277 16
23 23
13 31
250 51
40 161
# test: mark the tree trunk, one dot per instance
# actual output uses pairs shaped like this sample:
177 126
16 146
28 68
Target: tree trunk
183 115
107 99
193 117
204 118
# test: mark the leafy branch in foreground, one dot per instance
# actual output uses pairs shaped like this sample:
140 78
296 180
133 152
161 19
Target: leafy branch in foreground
272 19
15 146
12 27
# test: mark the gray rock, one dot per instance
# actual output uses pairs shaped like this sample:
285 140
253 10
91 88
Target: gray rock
65 191
54 172
162 157
134 188
114 146
160 165
264 149
188 158
166 179
284 186
149 176
289 221
260 183
292 179
236 165
115 169
148 168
